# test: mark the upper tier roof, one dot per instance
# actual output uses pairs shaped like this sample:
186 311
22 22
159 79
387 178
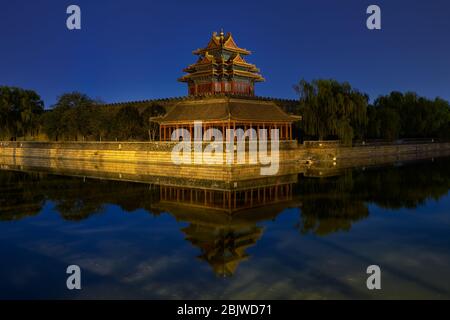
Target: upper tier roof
224 42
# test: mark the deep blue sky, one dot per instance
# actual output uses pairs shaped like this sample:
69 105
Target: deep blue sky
136 49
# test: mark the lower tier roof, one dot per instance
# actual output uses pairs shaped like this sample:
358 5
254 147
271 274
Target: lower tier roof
226 108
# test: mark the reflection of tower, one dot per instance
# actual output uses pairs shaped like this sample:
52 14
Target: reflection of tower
223 247
223 223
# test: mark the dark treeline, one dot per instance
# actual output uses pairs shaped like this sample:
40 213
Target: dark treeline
408 115
77 117
333 110
74 117
330 110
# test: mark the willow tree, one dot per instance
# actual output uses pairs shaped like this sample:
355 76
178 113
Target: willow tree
332 109
20 111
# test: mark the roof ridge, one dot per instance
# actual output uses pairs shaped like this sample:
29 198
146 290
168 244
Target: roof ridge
201 97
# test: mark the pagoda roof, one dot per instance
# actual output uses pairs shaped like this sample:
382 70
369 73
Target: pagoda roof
226 108
208 65
222 42
214 72
209 59
241 61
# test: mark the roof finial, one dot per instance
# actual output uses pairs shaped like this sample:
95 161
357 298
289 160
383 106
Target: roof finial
221 32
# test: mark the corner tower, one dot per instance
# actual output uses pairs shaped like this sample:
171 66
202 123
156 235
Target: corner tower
221 68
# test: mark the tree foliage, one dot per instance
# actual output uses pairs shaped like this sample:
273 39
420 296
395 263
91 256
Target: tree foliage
128 124
408 116
73 117
332 109
20 112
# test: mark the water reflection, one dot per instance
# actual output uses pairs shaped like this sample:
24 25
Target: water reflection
223 221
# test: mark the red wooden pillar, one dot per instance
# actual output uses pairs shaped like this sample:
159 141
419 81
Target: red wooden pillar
286 132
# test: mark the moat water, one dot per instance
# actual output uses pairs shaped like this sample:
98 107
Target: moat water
298 238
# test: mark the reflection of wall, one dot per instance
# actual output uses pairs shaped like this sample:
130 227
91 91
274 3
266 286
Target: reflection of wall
350 156
168 174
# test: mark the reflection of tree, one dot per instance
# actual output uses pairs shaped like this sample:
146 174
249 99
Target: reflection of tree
80 198
17 198
408 186
333 204
324 216
328 205
23 194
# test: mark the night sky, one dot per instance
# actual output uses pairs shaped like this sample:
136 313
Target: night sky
136 49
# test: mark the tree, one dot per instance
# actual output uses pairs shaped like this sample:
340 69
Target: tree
332 109
383 123
20 111
70 117
128 124
152 127
101 122
390 124
415 116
